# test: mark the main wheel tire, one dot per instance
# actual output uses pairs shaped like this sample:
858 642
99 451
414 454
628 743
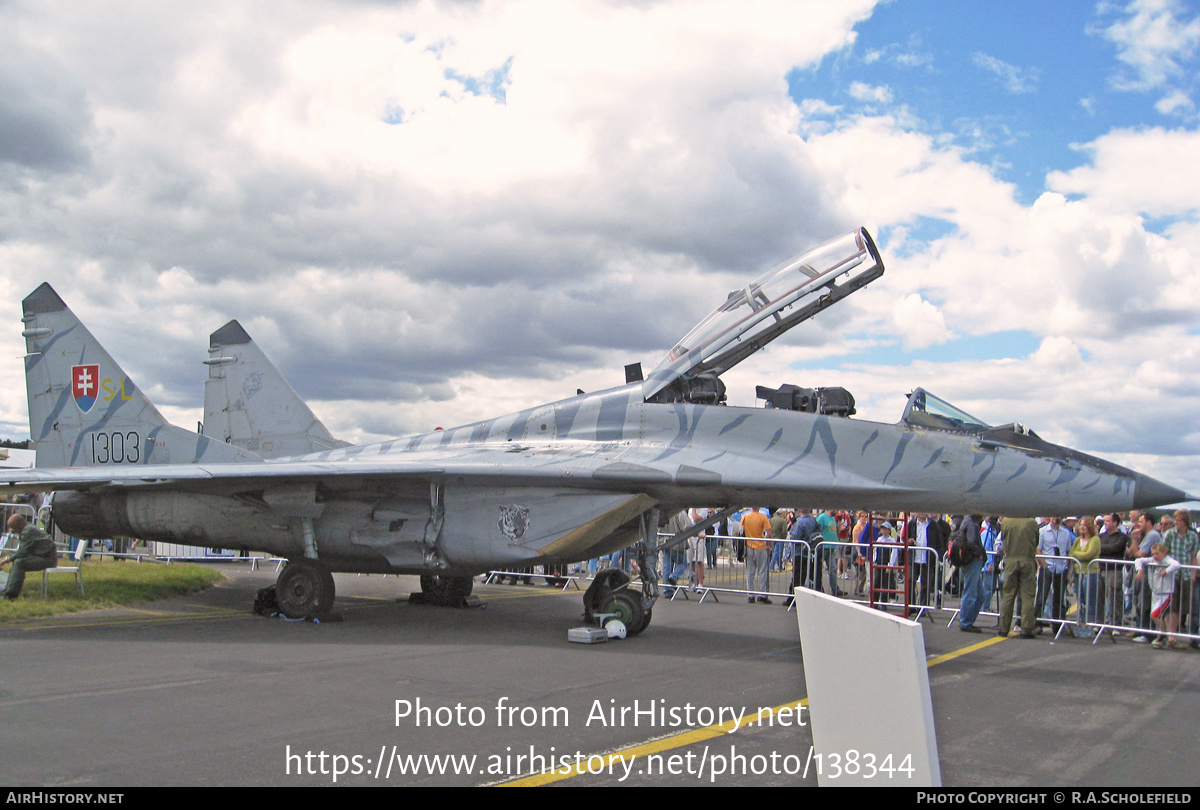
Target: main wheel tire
645 621
444 590
304 589
628 607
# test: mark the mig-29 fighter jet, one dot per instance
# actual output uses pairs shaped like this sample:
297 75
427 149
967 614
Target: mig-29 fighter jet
562 482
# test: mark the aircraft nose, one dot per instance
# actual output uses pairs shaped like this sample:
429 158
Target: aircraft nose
1149 491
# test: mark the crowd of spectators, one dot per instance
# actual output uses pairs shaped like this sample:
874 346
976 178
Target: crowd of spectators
1134 575
1131 576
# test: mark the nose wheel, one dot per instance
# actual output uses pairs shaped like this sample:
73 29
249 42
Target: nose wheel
628 607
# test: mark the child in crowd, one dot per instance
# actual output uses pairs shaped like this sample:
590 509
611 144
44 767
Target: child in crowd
1162 585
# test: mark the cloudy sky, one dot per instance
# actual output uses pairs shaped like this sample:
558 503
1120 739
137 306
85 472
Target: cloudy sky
429 213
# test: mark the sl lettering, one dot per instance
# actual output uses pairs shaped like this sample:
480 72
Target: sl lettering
107 385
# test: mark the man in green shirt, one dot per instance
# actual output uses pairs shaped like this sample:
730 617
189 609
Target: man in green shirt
35 552
1021 565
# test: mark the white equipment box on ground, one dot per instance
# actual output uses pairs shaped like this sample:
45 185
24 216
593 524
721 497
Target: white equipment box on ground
587 635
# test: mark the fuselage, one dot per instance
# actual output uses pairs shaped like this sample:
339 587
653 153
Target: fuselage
568 480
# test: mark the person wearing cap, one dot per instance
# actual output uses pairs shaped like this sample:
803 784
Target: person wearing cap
884 579
802 534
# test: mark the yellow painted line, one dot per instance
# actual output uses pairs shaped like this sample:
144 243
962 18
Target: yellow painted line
497 595
685 738
210 612
215 609
128 620
652 747
950 656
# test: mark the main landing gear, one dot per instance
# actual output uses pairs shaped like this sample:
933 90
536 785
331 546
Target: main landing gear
304 589
443 591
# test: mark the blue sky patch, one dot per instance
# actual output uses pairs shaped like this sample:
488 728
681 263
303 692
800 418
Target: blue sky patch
1015 343
494 83
1017 85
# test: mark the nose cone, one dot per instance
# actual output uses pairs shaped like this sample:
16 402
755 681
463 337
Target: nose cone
1149 491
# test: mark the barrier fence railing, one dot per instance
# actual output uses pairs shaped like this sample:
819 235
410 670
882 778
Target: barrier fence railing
723 570
1110 598
829 567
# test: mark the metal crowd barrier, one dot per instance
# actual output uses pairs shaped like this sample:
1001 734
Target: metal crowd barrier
1111 599
1098 599
921 583
995 581
7 510
527 574
252 560
728 576
91 552
725 570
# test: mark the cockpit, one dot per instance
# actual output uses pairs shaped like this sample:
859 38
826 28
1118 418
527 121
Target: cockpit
928 411
924 410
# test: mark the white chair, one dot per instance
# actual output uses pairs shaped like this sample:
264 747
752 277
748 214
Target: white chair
76 569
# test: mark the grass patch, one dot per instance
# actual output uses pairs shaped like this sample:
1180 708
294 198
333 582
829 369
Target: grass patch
107 584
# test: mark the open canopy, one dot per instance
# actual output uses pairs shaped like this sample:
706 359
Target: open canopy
756 314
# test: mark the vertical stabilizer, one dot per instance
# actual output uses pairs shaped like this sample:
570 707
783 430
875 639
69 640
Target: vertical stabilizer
249 404
84 410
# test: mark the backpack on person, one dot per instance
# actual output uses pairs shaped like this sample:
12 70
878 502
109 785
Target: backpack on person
965 545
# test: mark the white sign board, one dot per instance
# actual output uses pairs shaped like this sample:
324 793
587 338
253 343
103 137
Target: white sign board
868 695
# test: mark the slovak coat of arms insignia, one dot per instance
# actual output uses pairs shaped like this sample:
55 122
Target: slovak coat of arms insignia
85 385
